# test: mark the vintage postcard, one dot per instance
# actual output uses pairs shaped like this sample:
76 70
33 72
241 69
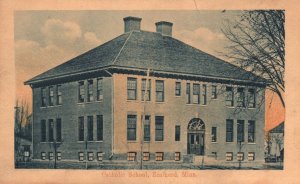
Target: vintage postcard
150 93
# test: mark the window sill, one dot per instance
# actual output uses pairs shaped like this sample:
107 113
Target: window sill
159 102
179 96
159 141
251 107
251 143
132 141
80 103
229 142
214 142
191 104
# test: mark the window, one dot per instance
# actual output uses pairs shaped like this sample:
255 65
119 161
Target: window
51 96
90 156
131 127
251 131
251 156
80 156
159 91
80 129
159 128
146 156
99 89
51 130
229 130
131 88
214 92
177 133
203 95
58 130
159 156
81 92
229 156
131 156
58 155
196 93
100 156
240 130
240 156
90 91
240 97
43 155
26 153
213 134
251 98
147 128
188 93
90 127
177 156
229 96
177 88
51 156
43 131
43 95
148 94
58 94
99 128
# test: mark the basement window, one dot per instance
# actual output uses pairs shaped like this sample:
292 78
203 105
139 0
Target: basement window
146 156
251 156
80 156
177 156
131 156
240 156
100 156
43 155
58 155
51 156
229 156
90 156
159 156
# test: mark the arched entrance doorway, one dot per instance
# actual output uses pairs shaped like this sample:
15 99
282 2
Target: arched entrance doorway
196 135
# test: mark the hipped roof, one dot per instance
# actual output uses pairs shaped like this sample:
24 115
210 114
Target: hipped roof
143 50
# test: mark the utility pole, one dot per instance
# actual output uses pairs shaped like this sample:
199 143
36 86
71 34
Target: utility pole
144 117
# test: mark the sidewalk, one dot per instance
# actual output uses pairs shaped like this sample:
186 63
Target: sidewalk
137 166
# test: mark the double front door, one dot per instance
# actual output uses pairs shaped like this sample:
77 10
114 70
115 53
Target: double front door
196 143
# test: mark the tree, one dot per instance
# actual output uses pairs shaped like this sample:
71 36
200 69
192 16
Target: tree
257 44
21 119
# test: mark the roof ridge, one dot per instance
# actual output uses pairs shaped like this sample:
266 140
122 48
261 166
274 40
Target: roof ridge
114 61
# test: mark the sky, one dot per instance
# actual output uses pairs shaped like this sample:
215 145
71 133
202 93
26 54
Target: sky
45 39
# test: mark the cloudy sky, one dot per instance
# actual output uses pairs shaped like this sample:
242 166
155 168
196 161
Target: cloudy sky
44 39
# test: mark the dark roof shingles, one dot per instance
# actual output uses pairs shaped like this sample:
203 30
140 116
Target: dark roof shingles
150 50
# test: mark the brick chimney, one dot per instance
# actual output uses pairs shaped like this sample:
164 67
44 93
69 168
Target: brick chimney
132 24
164 28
